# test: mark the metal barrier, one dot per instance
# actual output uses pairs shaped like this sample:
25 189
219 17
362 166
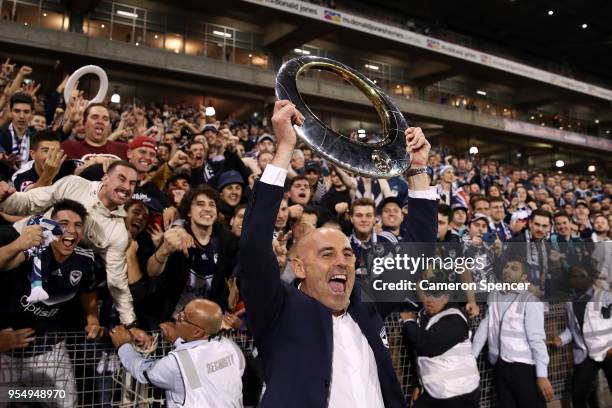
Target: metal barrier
91 373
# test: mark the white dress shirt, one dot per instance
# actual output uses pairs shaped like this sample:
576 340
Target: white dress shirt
354 381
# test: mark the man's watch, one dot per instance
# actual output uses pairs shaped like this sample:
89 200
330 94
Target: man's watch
414 172
132 325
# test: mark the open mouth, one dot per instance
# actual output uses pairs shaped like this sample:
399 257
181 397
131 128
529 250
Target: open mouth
337 284
68 242
123 194
98 131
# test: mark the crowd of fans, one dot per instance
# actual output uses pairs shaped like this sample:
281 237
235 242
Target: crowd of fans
151 198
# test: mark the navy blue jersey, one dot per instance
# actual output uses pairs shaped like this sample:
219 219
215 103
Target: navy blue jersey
26 176
61 281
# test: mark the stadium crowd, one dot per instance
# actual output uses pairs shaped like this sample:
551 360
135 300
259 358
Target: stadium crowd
127 216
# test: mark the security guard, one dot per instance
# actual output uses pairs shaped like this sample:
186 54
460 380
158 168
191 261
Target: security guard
203 371
447 369
514 330
590 329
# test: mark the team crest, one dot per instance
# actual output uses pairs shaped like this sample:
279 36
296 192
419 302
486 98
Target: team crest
75 277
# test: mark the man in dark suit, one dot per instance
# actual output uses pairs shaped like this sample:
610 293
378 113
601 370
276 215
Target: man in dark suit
319 344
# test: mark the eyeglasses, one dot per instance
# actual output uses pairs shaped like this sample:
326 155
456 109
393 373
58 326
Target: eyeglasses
180 317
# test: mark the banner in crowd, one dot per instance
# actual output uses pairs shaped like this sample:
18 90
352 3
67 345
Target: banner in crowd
436 45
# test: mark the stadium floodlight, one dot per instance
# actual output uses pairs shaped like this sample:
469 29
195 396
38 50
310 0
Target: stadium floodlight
473 150
361 131
597 121
585 25
483 93
115 97
127 14
372 67
301 51
210 111
551 12
591 168
559 163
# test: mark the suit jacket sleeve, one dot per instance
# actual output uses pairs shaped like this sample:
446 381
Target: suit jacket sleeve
260 280
421 221
421 226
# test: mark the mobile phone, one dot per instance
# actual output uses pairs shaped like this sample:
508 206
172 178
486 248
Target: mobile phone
155 219
489 237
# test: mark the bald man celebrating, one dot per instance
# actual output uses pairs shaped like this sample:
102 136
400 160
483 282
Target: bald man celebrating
203 371
319 344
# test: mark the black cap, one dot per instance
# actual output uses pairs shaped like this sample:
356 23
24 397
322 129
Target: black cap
312 165
392 199
210 127
458 206
582 202
179 175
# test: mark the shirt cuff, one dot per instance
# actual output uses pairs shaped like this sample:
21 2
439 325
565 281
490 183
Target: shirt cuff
274 175
125 350
541 370
429 194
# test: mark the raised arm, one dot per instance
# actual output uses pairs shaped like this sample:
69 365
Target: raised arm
39 199
421 221
259 272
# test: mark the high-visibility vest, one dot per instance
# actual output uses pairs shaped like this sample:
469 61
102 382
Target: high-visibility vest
212 375
595 338
452 373
507 330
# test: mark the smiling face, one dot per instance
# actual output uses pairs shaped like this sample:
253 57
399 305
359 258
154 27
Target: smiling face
236 222
203 211
39 122
73 231
231 194
326 266
363 219
282 216
136 219
563 226
143 158
117 186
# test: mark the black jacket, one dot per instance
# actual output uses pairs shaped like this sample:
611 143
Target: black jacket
177 271
294 332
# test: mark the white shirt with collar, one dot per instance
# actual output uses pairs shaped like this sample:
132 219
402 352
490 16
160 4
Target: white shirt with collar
354 381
